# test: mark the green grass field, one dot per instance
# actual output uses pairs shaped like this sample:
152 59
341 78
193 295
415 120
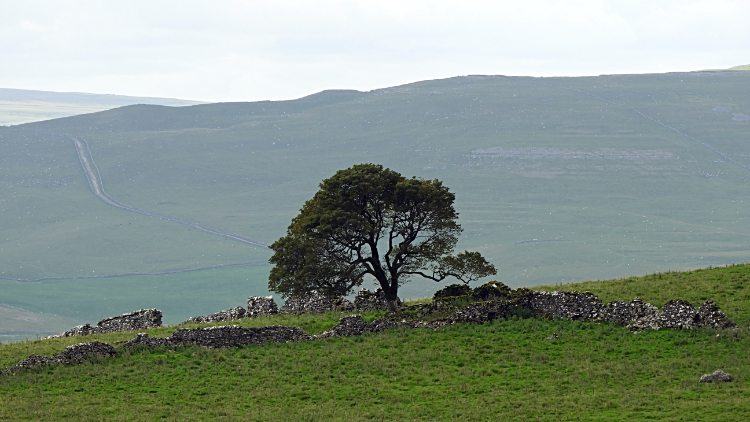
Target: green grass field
504 370
605 191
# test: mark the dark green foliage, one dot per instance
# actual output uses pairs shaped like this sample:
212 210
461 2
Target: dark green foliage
492 290
452 290
367 220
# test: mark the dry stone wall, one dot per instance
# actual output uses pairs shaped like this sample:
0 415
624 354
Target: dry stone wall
261 306
637 315
228 315
569 305
314 303
71 355
139 320
372 301
222 336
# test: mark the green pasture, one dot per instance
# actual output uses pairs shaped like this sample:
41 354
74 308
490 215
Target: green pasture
503 370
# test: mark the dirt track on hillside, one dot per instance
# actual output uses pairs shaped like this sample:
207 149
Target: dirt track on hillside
97 188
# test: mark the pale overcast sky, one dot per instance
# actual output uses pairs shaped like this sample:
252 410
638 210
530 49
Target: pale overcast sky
256 50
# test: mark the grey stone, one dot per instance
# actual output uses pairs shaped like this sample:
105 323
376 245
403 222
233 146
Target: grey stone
228 315
623 313
313 303
144 340
139 320
261 306
372 301
71 355
711 316
233 335
717 376
677 314
576 306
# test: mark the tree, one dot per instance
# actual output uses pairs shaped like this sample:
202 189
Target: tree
367 220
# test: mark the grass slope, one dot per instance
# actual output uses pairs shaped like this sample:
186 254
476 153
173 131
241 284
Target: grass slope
605 191
18 106
504 370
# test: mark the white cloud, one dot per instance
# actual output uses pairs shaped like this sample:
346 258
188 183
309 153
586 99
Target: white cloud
236 50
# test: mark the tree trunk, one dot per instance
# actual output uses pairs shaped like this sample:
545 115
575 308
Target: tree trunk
392 305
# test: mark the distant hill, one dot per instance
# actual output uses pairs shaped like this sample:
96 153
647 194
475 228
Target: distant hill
19 106
556 180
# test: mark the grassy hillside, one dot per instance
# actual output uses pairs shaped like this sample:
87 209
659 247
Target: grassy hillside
504 370
18 106
556 179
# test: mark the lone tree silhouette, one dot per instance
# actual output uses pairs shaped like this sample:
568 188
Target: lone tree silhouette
367 220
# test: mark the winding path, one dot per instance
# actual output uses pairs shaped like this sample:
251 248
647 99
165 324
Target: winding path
256 262
97 188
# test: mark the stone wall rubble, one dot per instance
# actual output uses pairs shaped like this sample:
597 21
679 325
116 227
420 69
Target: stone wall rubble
261 306
717 376
222 336
138 320
636 314
71 355
228 315
314 303
372 301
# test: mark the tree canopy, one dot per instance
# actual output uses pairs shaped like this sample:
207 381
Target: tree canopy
367 220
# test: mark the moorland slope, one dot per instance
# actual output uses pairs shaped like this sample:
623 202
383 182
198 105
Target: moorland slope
557 180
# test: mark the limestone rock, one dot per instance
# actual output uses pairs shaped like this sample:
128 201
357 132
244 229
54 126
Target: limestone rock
233 335
144 340
71 355
717 376
261 306
711 316
352 325
139 320
228 315
675 314
623 313
313 303
568 305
